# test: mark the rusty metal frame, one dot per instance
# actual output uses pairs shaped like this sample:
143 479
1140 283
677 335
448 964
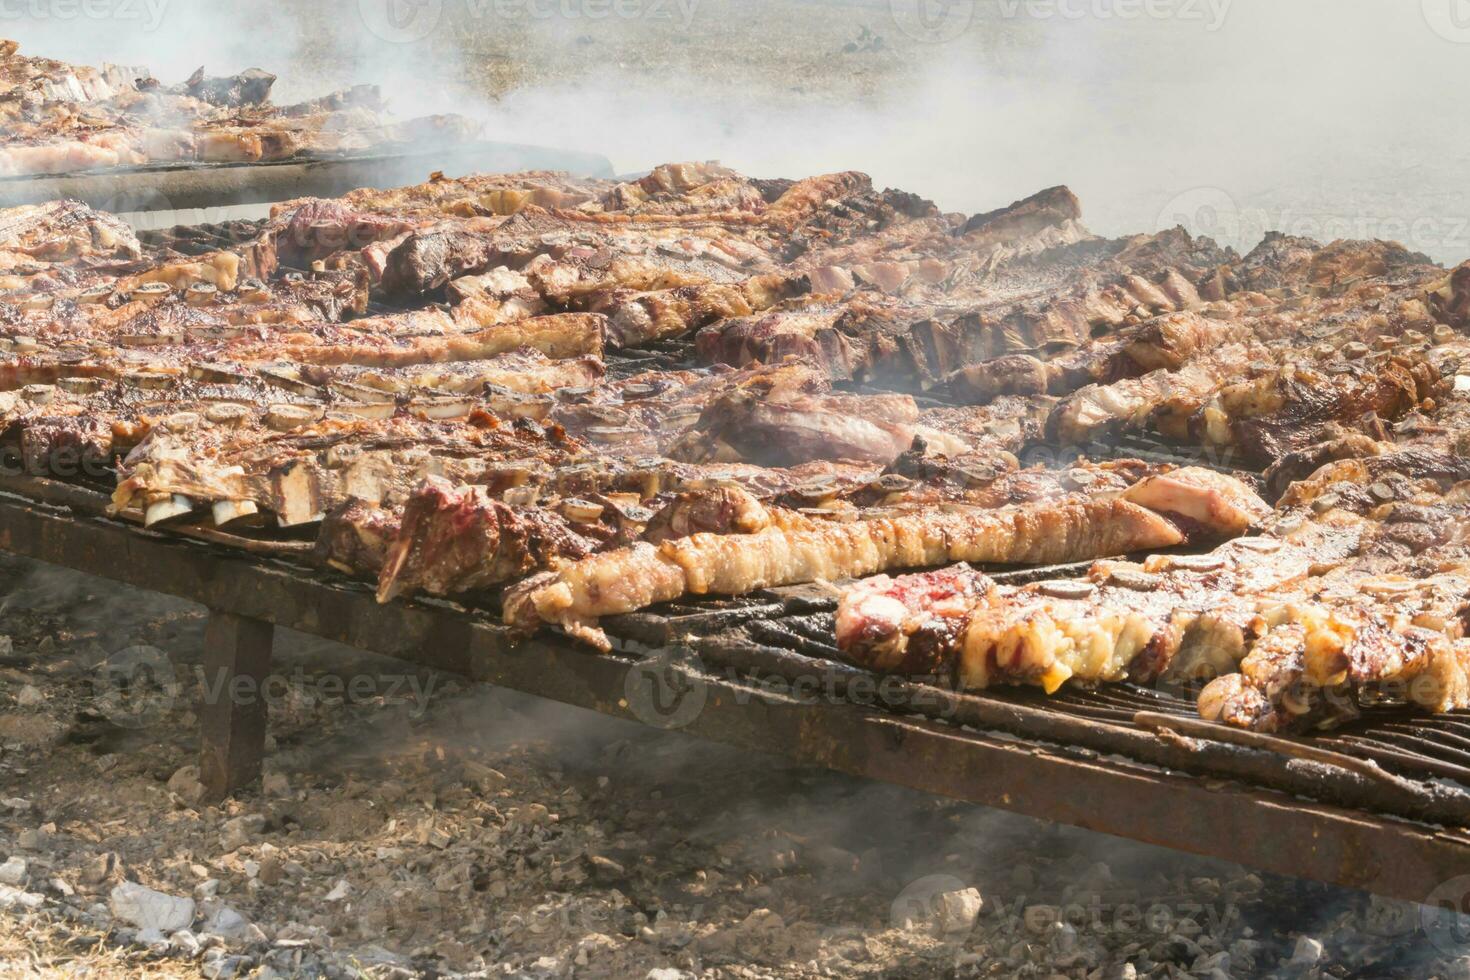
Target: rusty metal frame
1267 829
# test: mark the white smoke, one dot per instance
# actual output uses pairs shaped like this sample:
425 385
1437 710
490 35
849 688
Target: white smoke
1235 116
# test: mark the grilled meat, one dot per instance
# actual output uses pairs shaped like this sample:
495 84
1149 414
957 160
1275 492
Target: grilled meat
795 548
1123 621
417 377
58 118
785 428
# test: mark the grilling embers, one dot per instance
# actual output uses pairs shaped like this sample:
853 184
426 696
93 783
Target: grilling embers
578 398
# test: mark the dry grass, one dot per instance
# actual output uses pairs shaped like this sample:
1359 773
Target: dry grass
34 946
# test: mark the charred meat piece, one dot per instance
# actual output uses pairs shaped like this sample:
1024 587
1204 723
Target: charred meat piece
786 428
1286 410
909 625
355 537
249 88
460 538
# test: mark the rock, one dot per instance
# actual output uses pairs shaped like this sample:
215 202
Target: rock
17 803
207 889
148 909
295 932
938 904
1458 969
339 891
666 973
11 897
605 869
378 956
270 867
275 784
186 943
186 786
534 815
34 839
225 967
487 780
30 696
1217 962
956 912
1308 951
227 924
13 871
236 832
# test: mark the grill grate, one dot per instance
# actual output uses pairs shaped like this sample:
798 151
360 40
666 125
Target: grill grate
787 635
194 240
1389 760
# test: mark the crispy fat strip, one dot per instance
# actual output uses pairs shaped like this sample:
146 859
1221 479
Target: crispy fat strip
796 550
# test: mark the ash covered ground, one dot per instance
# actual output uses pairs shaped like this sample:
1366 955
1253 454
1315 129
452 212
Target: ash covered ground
411 824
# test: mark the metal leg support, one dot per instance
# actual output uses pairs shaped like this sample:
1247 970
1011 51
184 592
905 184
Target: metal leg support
237 660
